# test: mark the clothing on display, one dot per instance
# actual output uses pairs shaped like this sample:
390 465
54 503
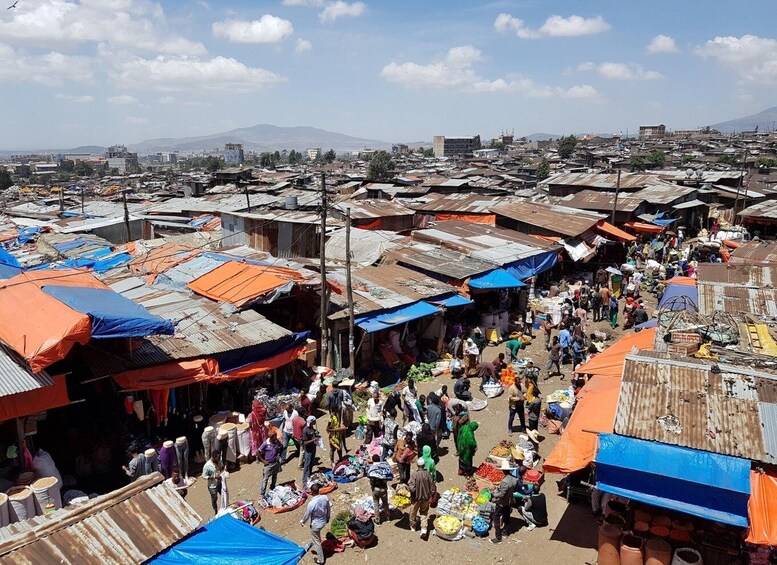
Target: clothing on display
167 458
182 455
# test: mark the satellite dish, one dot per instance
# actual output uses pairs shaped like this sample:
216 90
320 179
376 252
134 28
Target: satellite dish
689 173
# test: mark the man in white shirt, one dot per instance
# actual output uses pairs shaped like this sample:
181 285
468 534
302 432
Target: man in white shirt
410 394
287 429
374 408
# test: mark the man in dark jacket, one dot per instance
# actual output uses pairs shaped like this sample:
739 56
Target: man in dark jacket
434 416
502 497
535 511
422 488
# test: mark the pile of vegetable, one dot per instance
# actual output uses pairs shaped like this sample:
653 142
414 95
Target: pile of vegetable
483 497
360 398
339 527
503 449
490 473
401 497
471 485
447 525
422 372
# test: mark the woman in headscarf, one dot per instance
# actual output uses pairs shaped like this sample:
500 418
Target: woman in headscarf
429 463
467 447
336 431
471 353
257 433
460 417
425 438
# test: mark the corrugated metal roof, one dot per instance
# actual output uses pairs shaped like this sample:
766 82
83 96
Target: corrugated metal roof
129 525
595 200
755 276
16 376
366 209
669 400
559 219
665 193
603 180
755 252
462 202
445 262
767 210
736 299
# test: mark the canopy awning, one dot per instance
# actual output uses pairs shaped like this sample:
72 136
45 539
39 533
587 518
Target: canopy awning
609 229
33 401
534 265
229 541
609 363
384 319
241 283
680 294
762 508
643 227
709 485
451 301
496 279
112 314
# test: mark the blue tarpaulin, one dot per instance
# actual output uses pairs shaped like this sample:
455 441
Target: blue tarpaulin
532 266
498 278
651 323
113 315
384 319
228 541
69 245
451 301
26 234
676 290
236 358
7 272
8 259
715 487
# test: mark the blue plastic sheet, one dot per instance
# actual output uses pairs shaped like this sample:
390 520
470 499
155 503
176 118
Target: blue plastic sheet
229 541
498 278
389 318
113 315
8 259
69 245
26 234
713 486
676 290
451 301
7 272
534 265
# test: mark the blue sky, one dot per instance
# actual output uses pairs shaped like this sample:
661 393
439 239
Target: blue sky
76 72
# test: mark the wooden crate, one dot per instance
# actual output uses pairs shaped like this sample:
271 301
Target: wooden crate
686 349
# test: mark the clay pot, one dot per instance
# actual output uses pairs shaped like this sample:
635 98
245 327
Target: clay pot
660 531
631 550
616 507
657 552
687 556
609 544
641 528
683 536
615 520
686 525
642 516
661 521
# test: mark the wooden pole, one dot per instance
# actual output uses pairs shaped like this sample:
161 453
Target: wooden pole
82 199
322 253
615 203
248 200
349 287
739 188
126 216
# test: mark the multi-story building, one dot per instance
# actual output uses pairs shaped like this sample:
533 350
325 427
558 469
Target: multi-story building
314 153
449 146
652 132
233 154
121 159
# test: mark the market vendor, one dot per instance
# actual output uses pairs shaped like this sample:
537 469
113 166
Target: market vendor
534 510
309 439
502 497
512 347
461 389
471 353
479 339
486 373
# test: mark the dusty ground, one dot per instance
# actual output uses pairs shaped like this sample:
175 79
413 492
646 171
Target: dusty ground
569 539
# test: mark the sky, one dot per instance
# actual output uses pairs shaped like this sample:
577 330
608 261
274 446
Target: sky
77 72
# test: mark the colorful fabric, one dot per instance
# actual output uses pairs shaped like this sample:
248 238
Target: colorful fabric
466 442
256 421
429 463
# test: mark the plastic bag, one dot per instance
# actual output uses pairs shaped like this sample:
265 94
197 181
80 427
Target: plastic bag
320 443
360 433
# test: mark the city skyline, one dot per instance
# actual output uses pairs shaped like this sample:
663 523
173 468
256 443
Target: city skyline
396 72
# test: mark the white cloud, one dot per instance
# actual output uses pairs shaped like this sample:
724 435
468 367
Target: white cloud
554 26
267 29
341 9
123 100
753 57
132 24
84 99
620 71
47 69
136 121
662 44
302 45
316 3
192 73
454 71
167 100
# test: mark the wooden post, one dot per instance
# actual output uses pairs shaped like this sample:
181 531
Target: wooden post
82 199
126 216
615 203
322 252
739 188
349 288
61 200
248 200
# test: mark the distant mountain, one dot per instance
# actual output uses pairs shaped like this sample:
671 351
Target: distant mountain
542 136
764 121
263 137
85 149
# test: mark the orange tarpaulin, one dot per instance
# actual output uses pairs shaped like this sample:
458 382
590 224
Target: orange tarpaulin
488 219
640 226
36 325
239 283
32 401
609 229
373 225
161 258
595 406
762 508
595 412
168 375
731 244
264 365
609 363
685 281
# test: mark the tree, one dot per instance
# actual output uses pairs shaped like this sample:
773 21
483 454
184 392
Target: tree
497 145
380 167
543 169
83 169
429 152
294 157
67 166
566 146
728 159
5 179
765 163
213 163
330 156
277 156
267 160
637 164
476 144
657 158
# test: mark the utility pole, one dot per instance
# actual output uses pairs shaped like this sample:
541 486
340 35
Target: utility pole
322 253
349 288
126 216
248 200
61 200
615 203
739 187
82 200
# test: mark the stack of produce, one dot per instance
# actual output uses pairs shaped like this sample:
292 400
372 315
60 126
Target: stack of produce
488 475
447 527
401 497
339 526
508 376
455 502
422 372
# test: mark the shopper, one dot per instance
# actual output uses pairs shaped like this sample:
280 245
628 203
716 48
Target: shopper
318 512
310 438
422 488
374 408
287 427
516 406
502 497
212 475
269 454
467 445
379 473
535 510
554 359
390 427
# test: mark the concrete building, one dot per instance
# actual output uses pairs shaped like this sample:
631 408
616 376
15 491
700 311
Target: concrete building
233 154
314 153
449 146
121 159
652 132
